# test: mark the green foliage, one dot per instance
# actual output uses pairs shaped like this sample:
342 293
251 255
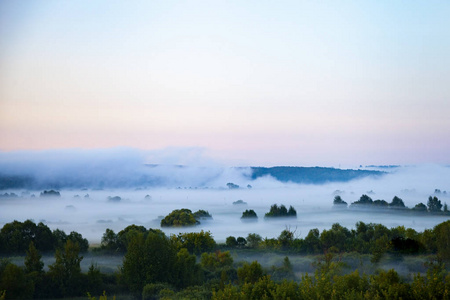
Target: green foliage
202 215
101 297
195 242
380 203
231 242
187 272
16 237
397 203
363 200
442 235
94 280
253 240
33 262
283 272
241 242
110 241
338 237
124 236
250 273
420 207
151 291
77 238
179 218
338 202
14 280
434 204
65 273
249 214
281 211
156 258
286 238
216 260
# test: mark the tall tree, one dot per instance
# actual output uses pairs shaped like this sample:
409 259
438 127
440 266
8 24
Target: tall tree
434 204
66 271
33 262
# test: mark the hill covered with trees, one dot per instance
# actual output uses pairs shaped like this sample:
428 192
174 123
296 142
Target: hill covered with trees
312 175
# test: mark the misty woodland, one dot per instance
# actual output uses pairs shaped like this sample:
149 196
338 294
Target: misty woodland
336 263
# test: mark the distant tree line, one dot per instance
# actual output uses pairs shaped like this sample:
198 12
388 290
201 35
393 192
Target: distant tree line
315 175
434 205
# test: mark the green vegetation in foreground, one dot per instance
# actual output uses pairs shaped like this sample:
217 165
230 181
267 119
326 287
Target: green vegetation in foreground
194 266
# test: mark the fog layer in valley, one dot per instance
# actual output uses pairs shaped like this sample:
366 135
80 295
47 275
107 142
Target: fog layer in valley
204 186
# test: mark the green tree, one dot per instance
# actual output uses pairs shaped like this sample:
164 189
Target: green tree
179 218
33 262
253 240
196 242
434 204
442 235
250 273
249 214
363 200
338 202
77 238
16 283
397 203
231 242
285 239
420 207
241 242
149 260
94 280
216 260
110 241
187 271
66 271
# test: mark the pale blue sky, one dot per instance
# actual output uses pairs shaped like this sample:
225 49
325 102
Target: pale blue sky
253 82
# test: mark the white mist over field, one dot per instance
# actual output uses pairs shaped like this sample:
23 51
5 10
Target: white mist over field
183 178
92 215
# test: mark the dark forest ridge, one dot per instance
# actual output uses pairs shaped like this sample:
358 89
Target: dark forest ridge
315 175
153 175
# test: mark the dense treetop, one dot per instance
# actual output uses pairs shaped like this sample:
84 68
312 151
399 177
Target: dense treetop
281 211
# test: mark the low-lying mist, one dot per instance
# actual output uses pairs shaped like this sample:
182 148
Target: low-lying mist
90 210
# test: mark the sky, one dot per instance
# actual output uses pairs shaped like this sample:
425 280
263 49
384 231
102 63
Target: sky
248 82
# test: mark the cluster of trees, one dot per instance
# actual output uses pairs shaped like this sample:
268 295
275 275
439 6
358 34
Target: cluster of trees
281 211
63 278
193 266
184 217
195 242
50 193
328 282
374 239
16 236
249 214
434 205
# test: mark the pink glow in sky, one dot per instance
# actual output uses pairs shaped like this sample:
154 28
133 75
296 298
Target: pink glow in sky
262 83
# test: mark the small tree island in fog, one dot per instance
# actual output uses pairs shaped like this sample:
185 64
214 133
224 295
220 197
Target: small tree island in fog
184 217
